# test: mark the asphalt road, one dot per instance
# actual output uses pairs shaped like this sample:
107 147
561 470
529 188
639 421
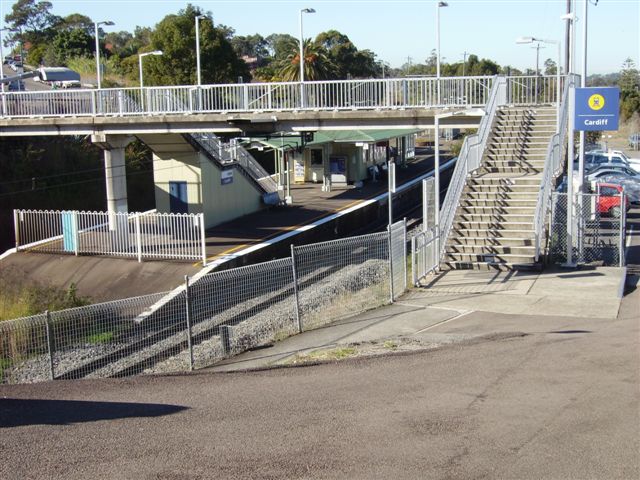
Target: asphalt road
557 399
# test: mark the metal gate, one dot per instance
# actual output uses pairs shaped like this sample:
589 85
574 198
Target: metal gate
597 232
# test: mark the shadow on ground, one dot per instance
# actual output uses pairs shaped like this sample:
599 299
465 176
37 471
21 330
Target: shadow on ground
21 412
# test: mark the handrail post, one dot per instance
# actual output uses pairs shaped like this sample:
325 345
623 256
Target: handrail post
76 233
623 229
138 238
203 239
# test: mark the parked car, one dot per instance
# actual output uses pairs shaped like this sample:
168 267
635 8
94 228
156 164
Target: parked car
609 200
7 59
17 86
16 66
596 159
631 185
611 168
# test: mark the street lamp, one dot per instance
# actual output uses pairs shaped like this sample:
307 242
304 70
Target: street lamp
155 52
304 10
439 5
97 24
198 47
524 40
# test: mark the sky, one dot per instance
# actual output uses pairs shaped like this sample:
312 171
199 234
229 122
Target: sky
398 30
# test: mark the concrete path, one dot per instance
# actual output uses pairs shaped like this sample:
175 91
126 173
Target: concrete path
589 293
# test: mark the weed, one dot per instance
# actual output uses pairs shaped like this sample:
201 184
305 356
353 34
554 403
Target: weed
390 344
104 337
338 353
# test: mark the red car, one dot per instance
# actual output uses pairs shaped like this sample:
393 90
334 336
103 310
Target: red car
608 202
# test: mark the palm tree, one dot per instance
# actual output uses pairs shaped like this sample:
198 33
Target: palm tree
317 65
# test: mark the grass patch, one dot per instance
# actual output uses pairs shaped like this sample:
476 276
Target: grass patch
338 353
104 337
390 344
21 299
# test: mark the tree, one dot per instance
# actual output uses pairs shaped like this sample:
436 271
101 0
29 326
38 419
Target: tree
279 45
72 43
348 60
31 20
550 67
77 21
175 36
629 84
251 46
317 65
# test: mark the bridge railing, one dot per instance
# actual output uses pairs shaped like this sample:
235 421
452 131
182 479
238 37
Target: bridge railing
552 168
390 93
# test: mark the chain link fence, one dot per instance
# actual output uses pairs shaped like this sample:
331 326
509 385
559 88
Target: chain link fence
221 314
597 230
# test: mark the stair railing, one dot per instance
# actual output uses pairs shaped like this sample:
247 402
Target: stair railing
552 168
469 159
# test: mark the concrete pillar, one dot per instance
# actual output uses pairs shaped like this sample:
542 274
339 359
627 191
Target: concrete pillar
115 171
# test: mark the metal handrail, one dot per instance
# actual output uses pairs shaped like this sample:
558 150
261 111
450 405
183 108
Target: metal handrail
469 160
552 167
331 95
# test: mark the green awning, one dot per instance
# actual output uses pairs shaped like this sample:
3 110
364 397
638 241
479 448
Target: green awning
337 136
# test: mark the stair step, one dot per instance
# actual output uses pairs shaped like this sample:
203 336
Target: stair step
490 257
506 181
499 266
497 210
524 250
501 189
492 233
493 225
491 241
500 203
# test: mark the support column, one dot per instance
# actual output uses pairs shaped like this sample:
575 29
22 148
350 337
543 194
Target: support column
115 171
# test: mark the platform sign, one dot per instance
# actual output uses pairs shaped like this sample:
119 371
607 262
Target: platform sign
597 108
226 177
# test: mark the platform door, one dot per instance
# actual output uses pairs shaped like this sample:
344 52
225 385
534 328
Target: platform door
178 197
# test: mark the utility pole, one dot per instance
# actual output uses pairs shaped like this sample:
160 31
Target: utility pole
567 40
464 62
538 47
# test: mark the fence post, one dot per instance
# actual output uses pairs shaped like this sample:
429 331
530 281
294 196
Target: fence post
188 311
16 227
623 229
203 239
138 237
225 338
49 344
414 253
295 287
404 252
76 234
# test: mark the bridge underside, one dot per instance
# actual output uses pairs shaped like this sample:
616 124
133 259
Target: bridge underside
243 124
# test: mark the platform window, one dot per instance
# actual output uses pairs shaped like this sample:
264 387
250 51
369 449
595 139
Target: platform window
316 157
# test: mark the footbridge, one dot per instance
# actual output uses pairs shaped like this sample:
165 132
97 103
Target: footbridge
263 107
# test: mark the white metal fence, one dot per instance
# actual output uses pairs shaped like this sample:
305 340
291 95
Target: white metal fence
148 235
221 314
391 93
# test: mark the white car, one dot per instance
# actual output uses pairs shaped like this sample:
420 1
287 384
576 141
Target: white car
611 169
619 157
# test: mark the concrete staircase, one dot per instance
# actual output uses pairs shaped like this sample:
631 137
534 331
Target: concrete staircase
494 223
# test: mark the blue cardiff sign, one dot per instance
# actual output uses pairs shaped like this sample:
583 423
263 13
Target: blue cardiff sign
597 108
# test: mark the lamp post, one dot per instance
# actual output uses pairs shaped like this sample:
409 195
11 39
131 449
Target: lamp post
96 25
550 42
304 10
583 84
198 47
155 52
439 5
571 19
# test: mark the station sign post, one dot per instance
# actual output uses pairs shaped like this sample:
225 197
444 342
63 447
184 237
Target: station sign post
597 108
